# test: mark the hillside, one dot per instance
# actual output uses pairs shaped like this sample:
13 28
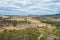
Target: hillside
16 22
29 28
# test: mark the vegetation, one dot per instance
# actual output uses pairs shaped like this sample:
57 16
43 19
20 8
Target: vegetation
33 33
7 22
28 34
57 24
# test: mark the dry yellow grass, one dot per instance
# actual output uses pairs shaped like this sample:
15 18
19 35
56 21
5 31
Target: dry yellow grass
9 27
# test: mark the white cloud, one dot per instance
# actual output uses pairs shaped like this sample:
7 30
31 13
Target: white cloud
31 6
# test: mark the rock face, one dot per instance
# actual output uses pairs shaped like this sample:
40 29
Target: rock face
21 22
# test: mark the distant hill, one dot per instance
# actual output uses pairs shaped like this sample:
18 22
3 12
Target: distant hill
51 15
54 15
1 15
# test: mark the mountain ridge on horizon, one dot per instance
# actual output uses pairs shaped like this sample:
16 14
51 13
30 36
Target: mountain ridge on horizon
30 15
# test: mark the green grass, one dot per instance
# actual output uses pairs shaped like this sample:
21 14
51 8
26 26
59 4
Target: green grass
28 34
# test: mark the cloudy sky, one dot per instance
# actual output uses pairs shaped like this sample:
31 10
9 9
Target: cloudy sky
27 7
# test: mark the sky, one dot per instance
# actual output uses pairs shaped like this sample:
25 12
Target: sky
29 7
